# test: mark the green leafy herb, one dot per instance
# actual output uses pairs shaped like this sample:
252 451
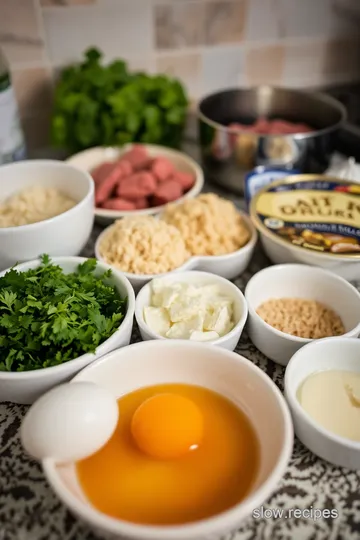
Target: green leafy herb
97 105
48 317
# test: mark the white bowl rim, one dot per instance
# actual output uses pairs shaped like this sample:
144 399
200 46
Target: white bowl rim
49 163
117 214
274 268
183 277
194 259
319 257
295 405
43 372
204 527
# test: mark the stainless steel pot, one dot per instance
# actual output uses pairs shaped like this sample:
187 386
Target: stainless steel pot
228 155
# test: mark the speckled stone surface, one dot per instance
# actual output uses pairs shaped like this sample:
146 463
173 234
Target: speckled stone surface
29 510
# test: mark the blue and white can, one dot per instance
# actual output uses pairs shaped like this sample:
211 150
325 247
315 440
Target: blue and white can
262 176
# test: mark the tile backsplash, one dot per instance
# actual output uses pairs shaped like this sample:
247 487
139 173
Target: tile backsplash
208 44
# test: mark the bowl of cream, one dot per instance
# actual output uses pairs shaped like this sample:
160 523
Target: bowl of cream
322 388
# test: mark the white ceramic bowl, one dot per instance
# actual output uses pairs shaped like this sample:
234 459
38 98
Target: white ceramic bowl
65 234
341 354
227 266
89 159
287 253
26 386
297 281
278 201
230 340
233 376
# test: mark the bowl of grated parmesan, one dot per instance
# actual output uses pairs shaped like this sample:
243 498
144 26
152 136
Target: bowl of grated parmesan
45 207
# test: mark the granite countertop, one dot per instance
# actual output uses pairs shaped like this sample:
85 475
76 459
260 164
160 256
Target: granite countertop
29 510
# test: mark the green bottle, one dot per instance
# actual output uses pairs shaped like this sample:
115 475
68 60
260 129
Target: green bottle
12 143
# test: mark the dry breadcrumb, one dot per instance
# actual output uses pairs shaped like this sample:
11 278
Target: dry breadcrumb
303 318
209 225
143 245
32 205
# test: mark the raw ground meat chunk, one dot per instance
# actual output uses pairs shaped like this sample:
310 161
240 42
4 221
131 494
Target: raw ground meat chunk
162 168
137 186
167 192
186 180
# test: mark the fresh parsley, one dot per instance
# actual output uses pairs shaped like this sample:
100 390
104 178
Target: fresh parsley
48 317
105 105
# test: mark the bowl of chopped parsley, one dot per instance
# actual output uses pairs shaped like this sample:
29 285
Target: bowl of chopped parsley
56 317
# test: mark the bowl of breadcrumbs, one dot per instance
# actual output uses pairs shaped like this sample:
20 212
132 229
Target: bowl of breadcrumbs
206 233
291 305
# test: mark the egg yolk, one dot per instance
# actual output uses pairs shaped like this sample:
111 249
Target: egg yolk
167 426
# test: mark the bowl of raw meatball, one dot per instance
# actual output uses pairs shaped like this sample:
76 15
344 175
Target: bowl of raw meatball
138 179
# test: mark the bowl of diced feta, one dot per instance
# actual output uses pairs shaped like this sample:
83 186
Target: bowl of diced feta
196 306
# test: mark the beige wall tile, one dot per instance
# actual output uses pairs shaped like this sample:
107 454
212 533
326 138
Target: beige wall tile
141 63
223 67
225 21
322 63
264 21
186 67
20 36
33 89
62 3
304 61
313 18
119 28
265 65
179 25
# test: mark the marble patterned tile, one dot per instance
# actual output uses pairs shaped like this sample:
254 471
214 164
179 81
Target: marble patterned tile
119 28
265 21
321 63
223 68
144 63
33 89
20 35
186 67
179 24
225 21
65 3
312 18
264 65
303 60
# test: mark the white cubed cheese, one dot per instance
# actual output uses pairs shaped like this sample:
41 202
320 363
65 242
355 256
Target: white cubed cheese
157 299
189 311
222 301
157 285
203 336
219 321
209 291
185 308
183 329
168 297
157 319
191 290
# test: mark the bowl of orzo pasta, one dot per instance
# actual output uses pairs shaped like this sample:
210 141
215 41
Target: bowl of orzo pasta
45 207
291 305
